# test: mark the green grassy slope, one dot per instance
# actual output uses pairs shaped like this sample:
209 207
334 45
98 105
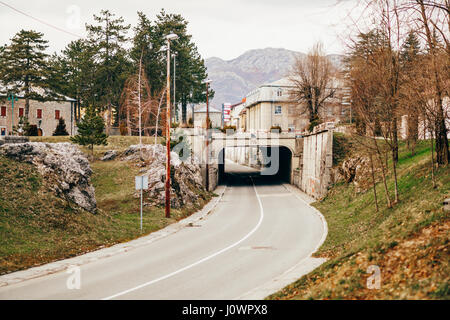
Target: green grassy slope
408 242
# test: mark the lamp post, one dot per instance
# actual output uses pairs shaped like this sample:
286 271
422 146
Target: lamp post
207 82
169 37
175 115
12 98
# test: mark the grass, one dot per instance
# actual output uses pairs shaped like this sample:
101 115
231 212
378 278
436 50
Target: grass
409 242
36 227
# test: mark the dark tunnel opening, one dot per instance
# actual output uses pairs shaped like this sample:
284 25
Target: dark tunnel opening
274 165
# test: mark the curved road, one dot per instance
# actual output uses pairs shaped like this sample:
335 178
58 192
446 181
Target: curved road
258 231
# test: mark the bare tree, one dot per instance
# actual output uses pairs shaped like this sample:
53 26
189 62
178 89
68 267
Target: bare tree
312 77
137 92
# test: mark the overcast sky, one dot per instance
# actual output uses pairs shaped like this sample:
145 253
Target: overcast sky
220 28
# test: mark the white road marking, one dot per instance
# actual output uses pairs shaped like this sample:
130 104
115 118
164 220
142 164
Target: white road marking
261 218
276 195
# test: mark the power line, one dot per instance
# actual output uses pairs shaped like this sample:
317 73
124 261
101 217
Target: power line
40 21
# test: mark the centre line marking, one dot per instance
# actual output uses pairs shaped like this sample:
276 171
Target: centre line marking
276 195
261 218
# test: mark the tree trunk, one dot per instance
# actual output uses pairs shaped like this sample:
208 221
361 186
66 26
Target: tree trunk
184 111
128 122
394 140
413 131
432 162
442 152
27 99
374 182
394 168
108 119
383 173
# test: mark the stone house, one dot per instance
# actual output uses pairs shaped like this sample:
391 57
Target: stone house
45 115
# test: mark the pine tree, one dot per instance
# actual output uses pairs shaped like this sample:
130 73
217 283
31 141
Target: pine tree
191 69
74 73
90 131
108 37
61 128
23 66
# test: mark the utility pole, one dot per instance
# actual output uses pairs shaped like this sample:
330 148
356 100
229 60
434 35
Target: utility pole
12 98
169 37
207 82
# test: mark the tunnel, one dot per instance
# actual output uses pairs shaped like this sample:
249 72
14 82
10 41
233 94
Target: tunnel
273 164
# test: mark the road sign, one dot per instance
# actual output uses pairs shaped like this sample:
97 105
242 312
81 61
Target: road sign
141 182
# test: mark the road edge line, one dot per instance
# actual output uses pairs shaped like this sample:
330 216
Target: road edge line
294 191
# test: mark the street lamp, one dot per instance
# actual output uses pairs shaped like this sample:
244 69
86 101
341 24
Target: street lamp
174 55
169 38
207 82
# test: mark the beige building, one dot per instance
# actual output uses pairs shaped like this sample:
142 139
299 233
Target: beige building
270 105
215 116
45 115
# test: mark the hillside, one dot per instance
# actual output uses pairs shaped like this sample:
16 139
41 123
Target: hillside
409 243
233 79
37 227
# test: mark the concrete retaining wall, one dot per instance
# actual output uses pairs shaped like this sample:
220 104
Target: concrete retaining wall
313 174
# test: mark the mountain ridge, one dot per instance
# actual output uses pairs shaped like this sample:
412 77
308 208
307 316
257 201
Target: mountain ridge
233 79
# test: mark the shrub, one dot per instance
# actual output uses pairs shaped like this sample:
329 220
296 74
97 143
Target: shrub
61 128
90 131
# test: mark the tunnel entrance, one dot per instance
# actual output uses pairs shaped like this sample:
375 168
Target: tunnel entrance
273 163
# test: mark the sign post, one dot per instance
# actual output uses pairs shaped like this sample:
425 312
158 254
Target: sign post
141 184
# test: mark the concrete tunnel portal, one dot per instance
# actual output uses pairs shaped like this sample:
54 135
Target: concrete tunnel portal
274 163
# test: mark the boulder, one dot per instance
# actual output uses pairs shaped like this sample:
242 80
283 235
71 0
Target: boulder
63 166
187 182
109 155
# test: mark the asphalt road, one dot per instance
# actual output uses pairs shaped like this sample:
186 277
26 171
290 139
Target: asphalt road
258 231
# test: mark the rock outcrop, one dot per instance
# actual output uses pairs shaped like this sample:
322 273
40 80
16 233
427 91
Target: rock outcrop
109 155
63 166
356 170
187 183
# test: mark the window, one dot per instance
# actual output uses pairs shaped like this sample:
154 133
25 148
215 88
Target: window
20 112
3 111
278 109
39 113
57 114
279 93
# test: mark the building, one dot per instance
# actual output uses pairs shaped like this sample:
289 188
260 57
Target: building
45 115
271 105
238 119
215 116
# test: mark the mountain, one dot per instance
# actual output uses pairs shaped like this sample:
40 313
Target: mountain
234 79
